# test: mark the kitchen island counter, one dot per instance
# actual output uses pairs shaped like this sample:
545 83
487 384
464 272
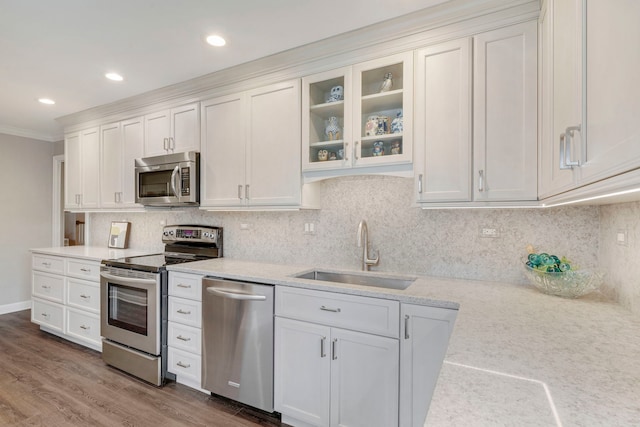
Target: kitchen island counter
516 356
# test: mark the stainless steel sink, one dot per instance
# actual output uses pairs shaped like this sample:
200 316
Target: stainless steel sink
387 282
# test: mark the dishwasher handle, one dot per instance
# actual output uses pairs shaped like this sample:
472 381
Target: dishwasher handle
228 293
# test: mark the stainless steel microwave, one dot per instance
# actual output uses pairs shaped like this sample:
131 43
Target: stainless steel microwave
169 180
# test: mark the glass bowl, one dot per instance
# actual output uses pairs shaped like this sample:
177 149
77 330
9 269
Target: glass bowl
566 284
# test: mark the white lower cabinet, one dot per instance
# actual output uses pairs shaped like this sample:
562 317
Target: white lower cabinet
66 298
345 360
184 332
424 338
329 376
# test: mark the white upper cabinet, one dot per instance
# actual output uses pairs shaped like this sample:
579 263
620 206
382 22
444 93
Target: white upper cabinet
82 169
505 114
173 130
483 103
359 116
589 99
443 122
121 143
251 149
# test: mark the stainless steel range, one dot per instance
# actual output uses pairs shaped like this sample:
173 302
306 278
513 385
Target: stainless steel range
133 298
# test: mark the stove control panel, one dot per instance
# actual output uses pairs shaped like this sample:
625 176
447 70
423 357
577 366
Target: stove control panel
192 234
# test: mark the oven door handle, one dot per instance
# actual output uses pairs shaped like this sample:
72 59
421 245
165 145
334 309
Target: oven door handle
225 293
122 279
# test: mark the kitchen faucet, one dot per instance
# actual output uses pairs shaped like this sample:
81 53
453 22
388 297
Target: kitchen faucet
363 241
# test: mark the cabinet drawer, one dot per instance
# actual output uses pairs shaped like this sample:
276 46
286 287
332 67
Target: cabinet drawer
48 314
185 337
83 269
51 264
185 285
187 366
83 295
48 286
186 312
365 314
83 325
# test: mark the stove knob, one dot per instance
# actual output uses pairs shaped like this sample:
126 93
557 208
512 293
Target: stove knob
166 233
206 234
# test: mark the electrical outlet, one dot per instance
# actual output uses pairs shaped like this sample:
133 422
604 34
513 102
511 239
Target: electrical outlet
309 228
245 227
489 232
622 237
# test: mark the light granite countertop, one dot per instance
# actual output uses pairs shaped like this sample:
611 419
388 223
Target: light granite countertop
92 253
516 357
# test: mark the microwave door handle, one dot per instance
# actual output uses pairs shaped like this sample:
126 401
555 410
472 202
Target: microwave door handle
174 184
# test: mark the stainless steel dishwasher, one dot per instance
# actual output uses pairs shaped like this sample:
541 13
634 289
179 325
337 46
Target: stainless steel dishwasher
237 341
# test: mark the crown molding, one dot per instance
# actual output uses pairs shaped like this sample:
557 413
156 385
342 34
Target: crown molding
448 20
29 133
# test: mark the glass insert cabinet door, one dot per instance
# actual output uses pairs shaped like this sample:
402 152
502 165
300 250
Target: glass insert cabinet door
359 116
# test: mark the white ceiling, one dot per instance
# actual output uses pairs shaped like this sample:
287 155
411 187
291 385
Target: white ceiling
61 49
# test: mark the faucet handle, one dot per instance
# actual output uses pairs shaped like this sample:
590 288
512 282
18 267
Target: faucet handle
373 261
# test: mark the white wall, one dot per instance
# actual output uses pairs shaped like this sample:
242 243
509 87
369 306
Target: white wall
25 172
410 240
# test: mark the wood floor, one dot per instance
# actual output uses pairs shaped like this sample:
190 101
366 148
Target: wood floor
48 381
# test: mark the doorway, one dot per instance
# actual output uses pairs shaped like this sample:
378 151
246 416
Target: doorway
69 228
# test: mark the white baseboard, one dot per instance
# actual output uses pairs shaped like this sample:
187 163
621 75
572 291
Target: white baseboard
16 306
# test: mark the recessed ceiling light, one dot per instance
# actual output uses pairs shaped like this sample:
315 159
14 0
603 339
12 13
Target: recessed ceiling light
216 41
46 101
114 76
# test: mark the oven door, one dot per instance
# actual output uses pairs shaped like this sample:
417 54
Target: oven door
130 308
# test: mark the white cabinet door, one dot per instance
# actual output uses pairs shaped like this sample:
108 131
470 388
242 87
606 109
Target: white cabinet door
72 171
371 99
612 105
505 114
185 128
90 140
223 151
364 379
157 129
111 157
133 148
561 93
302 371
443 122
273 155
424 339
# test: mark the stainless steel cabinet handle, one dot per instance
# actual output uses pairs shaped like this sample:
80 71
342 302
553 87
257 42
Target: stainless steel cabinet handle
181 338
172 143
46 264
355 150
334 349
323 353
181 311
227 293
240 191
420 184
563 154
346 151
165 143
85 270
83 296
46 287
86 328
333 310
45 315
406 326
569 132
481 180
182 365
180 285
246 192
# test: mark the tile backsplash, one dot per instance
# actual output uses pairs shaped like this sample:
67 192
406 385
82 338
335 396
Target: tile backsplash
443 242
